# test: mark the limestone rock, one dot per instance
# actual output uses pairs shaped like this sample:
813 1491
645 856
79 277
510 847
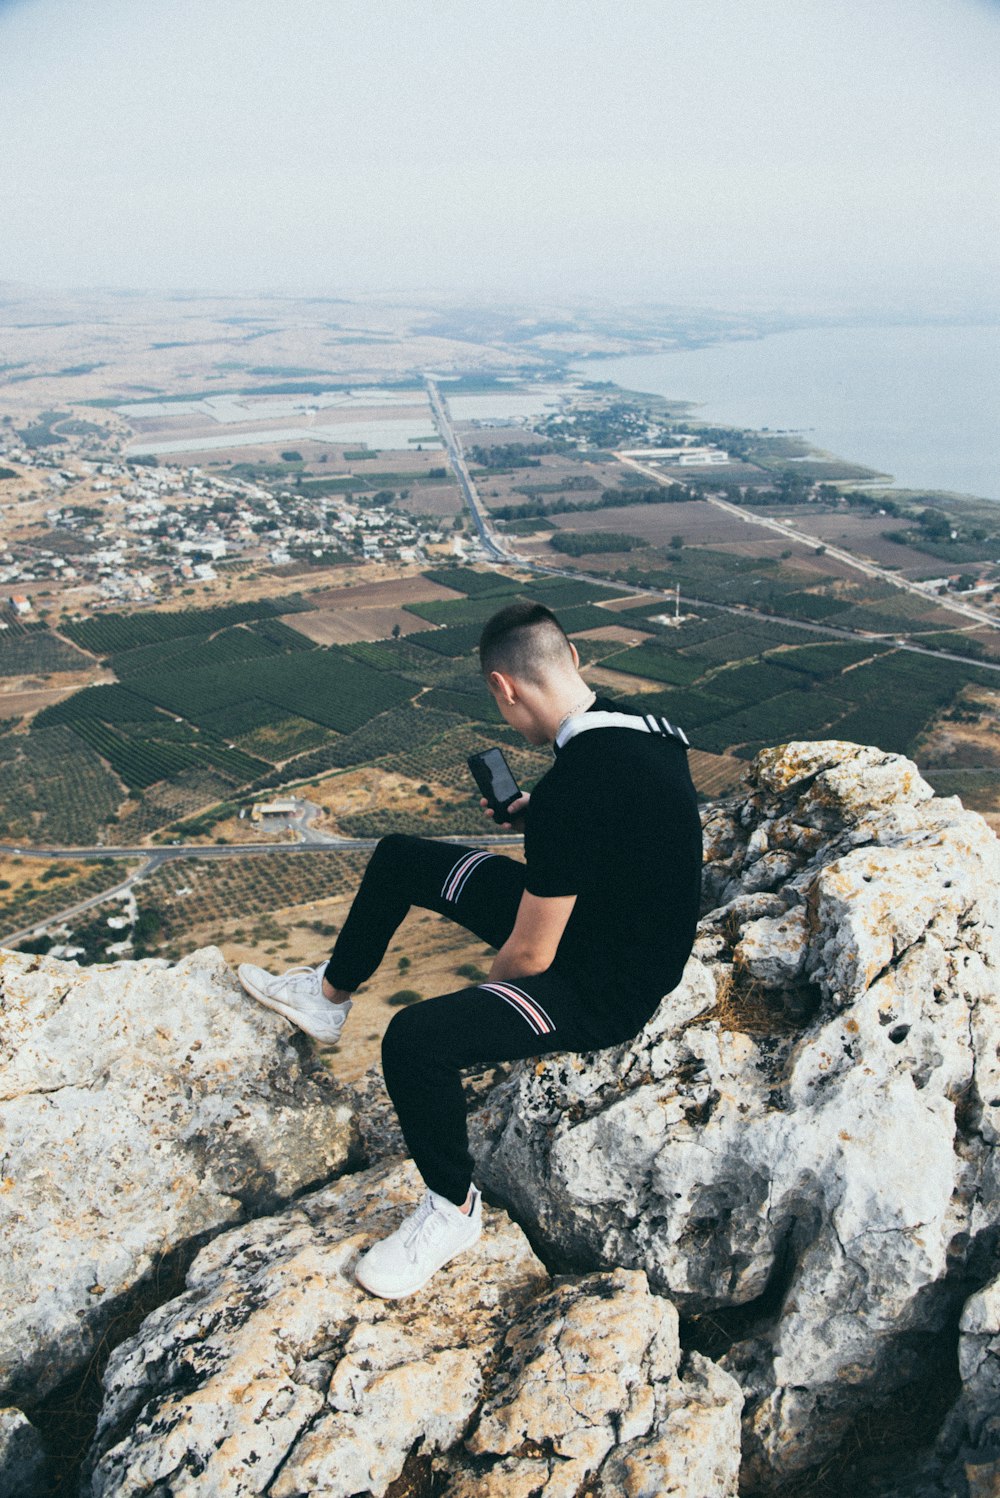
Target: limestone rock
275 1372
22 1459
841 1166
141 1106
589 1387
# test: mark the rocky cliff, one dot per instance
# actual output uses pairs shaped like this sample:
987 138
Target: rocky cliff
713 1255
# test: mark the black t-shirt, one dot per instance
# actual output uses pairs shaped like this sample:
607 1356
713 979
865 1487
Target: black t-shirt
615 822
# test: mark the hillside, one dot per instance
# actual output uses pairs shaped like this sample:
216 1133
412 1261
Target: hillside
774 1207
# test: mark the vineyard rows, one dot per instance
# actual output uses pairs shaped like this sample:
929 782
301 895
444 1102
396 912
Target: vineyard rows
108 634
53 788
765 701
37 652
109 704
141 762
171 801
466 580
656 663
193 652
393 732
247 886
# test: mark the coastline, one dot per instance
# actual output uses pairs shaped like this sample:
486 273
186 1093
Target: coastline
909 402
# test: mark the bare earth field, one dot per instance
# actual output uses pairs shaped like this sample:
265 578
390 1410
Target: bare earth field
964 745
968 753
623 634
473 434
431 499
367 610
345 626
554 470
699 524
715 774
633 601
863 534
370 790
385 591
620 684
20 699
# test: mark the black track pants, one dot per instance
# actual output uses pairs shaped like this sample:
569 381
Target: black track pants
427 1045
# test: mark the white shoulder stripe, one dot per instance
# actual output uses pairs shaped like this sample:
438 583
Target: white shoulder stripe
585 721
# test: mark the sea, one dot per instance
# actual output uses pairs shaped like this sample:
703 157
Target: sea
920 402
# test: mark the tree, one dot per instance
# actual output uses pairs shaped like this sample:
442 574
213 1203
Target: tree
676 543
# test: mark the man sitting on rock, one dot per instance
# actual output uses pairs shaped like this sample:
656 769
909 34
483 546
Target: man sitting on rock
591 931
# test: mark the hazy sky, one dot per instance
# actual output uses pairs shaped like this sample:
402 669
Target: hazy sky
734 151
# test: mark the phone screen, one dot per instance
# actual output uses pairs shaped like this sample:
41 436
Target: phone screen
505 787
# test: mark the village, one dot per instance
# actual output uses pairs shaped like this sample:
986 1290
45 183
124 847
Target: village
84 534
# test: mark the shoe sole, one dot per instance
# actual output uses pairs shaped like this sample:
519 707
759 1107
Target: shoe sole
412 1289
294 1016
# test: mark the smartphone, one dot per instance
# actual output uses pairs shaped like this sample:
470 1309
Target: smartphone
492 774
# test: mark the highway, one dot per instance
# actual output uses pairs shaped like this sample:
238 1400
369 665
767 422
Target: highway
450 439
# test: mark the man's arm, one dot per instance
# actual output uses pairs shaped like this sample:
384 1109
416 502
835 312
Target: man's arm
531 946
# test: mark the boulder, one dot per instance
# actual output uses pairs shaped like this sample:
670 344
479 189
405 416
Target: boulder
142 1107
804 1128
275 1372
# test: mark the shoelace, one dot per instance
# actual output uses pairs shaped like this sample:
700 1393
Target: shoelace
425 1218
290 979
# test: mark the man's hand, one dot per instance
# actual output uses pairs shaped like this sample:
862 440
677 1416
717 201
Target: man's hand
515 811
532 945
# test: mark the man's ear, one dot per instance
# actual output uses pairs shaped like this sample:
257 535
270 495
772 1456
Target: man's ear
575 654
502 687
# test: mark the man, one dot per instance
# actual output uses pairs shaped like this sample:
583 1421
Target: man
591 931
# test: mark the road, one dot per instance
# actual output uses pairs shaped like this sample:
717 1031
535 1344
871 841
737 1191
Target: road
496 549
454 447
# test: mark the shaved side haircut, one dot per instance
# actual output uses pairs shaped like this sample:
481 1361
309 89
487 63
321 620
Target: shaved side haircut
524 640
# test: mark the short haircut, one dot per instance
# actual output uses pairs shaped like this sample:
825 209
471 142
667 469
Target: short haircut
525 640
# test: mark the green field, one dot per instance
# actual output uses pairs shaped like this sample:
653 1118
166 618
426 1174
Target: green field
226 702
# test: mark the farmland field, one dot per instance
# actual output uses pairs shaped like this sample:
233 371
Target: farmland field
54 789
342 626
37 652
700 524
865 535
108 634
386 593
213 706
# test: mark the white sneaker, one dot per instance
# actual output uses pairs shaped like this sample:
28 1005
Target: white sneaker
423 1242
298 995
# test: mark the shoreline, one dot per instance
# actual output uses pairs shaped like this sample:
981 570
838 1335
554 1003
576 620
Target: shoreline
907 378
